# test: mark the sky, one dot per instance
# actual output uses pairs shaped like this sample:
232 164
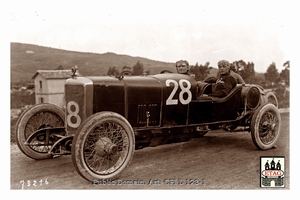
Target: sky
256 31
196 31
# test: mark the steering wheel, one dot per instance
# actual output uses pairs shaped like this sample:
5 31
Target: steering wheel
166 71
211 80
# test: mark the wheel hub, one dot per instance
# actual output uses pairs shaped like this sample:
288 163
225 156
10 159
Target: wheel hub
104 146
268 125
273 126
41 138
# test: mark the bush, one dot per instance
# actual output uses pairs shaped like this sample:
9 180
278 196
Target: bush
12 130
21 98
283 97
20 101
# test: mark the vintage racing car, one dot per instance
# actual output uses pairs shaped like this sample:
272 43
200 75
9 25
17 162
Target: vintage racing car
105 119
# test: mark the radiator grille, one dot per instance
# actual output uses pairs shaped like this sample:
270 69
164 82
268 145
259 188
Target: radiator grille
74 95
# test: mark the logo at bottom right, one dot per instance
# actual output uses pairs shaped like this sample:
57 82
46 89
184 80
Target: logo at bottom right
272 171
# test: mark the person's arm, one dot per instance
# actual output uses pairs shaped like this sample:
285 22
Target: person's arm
240 80
223 86
229 84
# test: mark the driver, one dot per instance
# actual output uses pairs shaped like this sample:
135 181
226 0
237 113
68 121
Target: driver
238 78
225 83
182 67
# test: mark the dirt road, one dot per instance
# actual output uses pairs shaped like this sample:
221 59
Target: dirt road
219 160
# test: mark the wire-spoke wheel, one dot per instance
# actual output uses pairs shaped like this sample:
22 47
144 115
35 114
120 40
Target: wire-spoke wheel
271 98
265 126
103 146
40 116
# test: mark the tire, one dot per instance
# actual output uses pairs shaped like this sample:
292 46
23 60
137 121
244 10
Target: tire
103 146
265 126
271 98
33 119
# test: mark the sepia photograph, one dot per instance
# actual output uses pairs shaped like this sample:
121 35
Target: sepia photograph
150 96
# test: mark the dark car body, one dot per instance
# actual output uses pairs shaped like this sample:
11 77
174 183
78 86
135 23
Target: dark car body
106 118
155 106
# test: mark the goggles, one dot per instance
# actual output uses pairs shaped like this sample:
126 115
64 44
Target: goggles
223 66
182 65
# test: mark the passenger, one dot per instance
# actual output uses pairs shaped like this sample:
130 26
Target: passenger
182 67
225 83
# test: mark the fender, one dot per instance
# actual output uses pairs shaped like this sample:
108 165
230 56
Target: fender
45 131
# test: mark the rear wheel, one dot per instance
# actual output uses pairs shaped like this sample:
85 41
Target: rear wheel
103 146
271 98
38 117
265 126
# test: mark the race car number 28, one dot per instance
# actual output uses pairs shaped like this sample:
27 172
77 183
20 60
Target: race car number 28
184 89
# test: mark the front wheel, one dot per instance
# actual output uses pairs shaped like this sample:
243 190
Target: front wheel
265 126
103 146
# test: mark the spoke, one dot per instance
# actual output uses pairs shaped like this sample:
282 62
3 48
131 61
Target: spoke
38 121
268 127
111 134
95 161
100 164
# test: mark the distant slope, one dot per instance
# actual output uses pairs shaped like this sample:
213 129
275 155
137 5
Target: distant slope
27 58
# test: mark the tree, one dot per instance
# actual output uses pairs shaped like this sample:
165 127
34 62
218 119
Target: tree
249 72
272 74
246 70
285 73
195 70
137 69
113 71
201 72
286 65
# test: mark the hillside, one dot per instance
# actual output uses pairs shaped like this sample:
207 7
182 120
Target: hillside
27 58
